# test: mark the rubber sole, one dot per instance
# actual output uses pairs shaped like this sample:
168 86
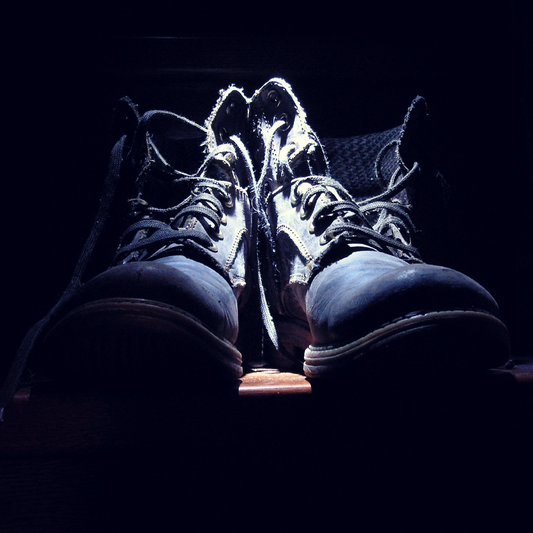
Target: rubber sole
137 341
436 342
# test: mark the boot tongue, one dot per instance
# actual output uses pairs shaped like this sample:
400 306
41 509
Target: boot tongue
168 143
176 142
165 147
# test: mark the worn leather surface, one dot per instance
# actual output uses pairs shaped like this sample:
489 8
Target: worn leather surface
175 280
378 289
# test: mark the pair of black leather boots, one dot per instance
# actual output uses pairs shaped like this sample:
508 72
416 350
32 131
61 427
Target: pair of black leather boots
236 238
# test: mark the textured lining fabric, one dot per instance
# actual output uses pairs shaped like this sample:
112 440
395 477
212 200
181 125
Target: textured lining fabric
352 159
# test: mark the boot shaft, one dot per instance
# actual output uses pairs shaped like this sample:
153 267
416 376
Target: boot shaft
191 190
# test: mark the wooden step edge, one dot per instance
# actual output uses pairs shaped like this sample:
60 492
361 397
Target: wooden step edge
272 382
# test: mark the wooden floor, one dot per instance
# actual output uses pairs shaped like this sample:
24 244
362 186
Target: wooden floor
275 451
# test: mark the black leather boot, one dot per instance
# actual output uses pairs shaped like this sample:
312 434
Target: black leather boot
168 307
341 293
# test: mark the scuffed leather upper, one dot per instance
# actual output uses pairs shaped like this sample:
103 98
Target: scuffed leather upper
333 270
188 220
176 281
376 289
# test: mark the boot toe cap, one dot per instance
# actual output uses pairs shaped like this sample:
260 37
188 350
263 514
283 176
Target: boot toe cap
363 292
178 281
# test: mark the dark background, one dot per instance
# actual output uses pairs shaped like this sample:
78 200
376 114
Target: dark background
355 69
355 72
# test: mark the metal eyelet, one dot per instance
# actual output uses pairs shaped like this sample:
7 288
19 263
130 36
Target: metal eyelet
285 118
228 202
274 97
326 237
230 108
294 199
223 133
